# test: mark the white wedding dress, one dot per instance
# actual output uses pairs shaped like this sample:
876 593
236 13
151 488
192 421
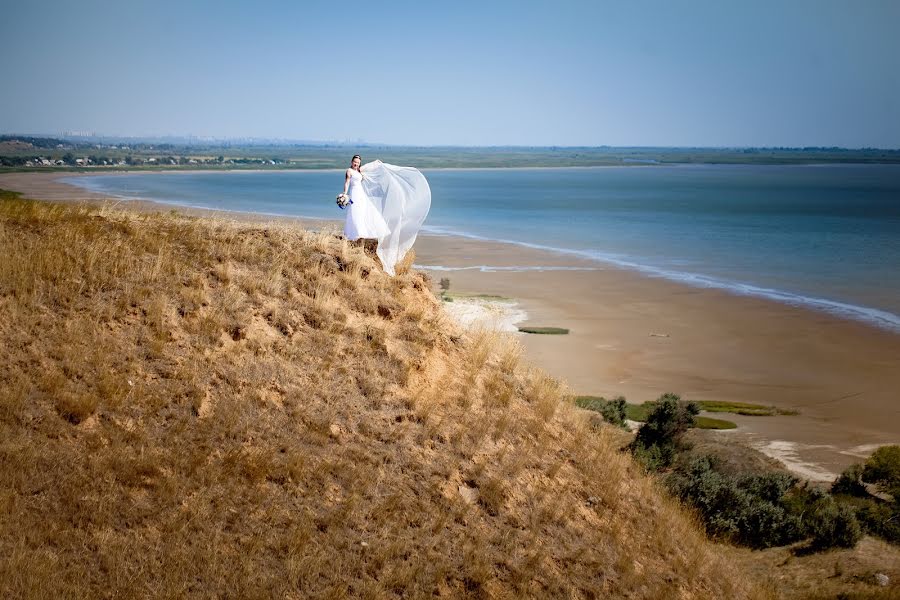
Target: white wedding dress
363 219
390 204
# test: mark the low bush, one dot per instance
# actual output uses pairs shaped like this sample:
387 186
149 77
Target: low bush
881 519
613 412
827 523
878 515
761 511
850 483
882 468
660 437
744 510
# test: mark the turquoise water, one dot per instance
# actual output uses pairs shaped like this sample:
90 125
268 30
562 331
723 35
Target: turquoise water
826 237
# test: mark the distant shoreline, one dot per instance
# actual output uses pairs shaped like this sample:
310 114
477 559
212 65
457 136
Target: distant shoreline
76 171
26 152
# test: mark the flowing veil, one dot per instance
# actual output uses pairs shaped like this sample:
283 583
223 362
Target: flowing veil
402 196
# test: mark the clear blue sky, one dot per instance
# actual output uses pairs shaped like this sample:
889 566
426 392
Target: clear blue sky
672 73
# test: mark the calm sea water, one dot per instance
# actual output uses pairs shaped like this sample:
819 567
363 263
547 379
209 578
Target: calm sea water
826 237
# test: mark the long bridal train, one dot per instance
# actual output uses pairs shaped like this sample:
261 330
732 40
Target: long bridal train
402 198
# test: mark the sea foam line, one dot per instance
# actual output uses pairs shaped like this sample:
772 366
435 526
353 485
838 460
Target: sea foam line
872 316
514 269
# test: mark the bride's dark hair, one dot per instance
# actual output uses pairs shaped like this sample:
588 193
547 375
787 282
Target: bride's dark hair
355 156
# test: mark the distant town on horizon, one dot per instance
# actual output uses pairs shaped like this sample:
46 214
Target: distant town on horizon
100 152
90 137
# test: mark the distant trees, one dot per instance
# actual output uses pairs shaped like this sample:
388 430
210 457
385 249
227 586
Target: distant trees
37 142
100 159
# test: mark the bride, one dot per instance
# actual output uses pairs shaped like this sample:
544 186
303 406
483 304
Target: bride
389 204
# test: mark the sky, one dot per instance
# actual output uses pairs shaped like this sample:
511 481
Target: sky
558 73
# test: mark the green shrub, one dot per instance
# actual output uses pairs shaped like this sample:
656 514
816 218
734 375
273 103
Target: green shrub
826 522
850 483
712 494
770 487
761 511
883 469
594 403
653 458
659 438
744 510
613 412
831 525
881 519
875 515
764 525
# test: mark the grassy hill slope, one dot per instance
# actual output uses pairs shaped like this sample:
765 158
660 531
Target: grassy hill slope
194 407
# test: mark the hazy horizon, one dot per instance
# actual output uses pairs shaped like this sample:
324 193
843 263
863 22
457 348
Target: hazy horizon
188 140
580 74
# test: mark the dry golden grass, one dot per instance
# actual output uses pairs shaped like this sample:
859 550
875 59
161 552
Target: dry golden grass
192 407
839 573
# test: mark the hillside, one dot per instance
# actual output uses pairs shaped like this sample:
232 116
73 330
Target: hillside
197 407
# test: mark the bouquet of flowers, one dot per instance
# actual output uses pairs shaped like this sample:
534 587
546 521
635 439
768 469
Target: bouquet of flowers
343 200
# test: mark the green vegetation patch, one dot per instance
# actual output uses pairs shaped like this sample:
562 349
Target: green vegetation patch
742 408
545 330
710 423
450 296
639 412
613 412
594 403
761 511
876 505
633 412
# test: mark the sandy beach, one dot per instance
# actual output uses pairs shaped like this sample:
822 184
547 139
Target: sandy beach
639 336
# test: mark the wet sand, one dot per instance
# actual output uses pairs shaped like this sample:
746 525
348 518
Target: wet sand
638 336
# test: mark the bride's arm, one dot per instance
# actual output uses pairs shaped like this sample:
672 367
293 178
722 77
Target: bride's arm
346 181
